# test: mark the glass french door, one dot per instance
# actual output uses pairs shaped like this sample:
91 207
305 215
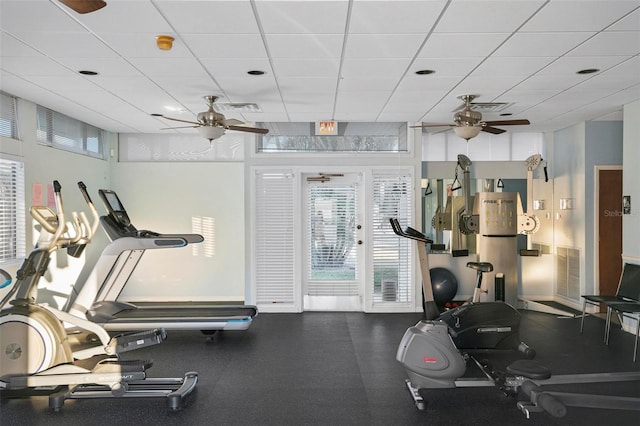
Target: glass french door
333 244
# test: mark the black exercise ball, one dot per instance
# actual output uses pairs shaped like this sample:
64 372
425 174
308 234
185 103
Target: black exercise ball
444 284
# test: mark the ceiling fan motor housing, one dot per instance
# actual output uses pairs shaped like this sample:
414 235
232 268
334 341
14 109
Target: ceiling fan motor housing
210 118
467 117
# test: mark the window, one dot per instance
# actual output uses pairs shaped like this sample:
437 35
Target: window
12 213
8 116
392 256
67 133
351 137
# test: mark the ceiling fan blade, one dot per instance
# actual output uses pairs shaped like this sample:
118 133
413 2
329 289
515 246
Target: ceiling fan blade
177 119
180 127
493 130
84 6
248 129
435 125
508 122
230 122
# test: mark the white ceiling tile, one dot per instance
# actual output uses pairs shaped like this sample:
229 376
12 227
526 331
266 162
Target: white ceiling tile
363 102
421 83
486 16
35 16
302 117
307 85
512 66
104 66
164 67
568 15
305 46
461 45
189 91
610 43
570 65
123 16
449 66
549 82
392 68
394 17
309 17
11 46
33 65
631 22
227 67
542 44
488 84
383 45
359 84
67 44
308 67
226 45
204 17
62 84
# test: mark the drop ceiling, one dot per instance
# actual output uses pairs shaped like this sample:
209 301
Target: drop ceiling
348 60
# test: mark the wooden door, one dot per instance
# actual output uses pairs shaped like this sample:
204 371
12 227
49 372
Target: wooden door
609 230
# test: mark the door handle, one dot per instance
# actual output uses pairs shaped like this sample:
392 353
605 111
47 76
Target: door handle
359 242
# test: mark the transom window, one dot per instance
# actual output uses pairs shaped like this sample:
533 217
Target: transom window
63 132
350 137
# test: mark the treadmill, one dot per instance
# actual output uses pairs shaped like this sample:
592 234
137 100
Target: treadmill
98 298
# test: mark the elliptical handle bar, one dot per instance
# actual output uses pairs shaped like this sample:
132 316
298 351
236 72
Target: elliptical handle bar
92 208
410 233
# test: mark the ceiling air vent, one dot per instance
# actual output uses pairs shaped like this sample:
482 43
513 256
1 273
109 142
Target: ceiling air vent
237 107
487 106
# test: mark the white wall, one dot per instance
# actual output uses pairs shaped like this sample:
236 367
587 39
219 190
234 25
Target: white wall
631 182
168 198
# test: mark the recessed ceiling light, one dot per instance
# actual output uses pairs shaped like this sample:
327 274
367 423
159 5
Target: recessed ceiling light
255 72
87 72
588 71
506 114
425 72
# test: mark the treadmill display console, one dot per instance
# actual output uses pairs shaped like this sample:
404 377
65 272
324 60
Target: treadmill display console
115 208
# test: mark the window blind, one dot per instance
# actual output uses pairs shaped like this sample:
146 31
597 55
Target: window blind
8 116
274 227
67 133
392 255
12 212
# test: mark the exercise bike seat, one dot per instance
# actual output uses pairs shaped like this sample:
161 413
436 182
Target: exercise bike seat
529 368
480 266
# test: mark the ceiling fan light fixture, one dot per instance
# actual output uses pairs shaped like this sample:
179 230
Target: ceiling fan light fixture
467 132
164 42
210 132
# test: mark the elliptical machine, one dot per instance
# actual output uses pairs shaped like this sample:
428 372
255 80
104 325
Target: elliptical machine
36 356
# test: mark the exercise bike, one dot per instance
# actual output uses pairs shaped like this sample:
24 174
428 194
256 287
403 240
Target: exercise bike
436 350
37 358
474 325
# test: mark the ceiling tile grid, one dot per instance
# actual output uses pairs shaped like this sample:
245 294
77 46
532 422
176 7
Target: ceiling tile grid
343 59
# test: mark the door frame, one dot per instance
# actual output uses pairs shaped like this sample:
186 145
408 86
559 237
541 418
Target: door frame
596 217
358 176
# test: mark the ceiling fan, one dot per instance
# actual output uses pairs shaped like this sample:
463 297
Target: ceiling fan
468 123
211 124
84 6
